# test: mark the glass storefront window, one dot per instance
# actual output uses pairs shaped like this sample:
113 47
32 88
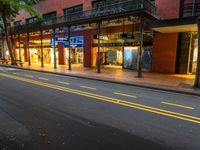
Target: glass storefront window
130 58
112 56
52 56
116 51
34 55
147 58
18 54
76 55
47 55
195 55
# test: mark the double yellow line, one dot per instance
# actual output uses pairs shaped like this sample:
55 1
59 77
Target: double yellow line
155 110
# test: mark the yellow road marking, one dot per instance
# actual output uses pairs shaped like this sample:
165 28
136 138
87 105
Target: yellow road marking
87 87
177 105
122 94
155 110
30 76
43 79
63 82
16 73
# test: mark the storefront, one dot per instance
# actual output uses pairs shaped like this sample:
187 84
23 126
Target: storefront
76 55
76 50
117 52
187 53
35 52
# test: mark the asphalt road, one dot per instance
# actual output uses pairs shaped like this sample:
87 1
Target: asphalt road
41 111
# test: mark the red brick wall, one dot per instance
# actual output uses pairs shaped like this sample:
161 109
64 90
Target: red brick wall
168 9
46 6
164 52
61 54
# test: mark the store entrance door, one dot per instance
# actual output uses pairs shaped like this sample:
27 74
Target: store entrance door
112 57
76 55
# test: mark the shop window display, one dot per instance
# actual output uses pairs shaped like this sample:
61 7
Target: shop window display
34 55
130 58
76 55
147 58
195 55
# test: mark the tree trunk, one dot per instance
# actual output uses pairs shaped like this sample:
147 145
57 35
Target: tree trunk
197 78
8 40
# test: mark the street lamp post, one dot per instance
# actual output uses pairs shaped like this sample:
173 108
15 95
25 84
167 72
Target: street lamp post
141 48
69 47
41 47
99 55
54 48
19 47
28 46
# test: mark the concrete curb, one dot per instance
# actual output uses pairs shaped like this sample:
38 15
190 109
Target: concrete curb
167 89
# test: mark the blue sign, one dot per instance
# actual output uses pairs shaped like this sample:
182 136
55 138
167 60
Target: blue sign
74 41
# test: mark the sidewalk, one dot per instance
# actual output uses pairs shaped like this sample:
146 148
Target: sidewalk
168 82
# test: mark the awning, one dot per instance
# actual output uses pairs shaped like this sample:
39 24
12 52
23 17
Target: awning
176 29
188 24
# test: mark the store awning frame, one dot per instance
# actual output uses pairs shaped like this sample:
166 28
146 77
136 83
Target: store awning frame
188 24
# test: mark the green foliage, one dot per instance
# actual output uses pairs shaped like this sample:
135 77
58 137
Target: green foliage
10 8
1 24
8 11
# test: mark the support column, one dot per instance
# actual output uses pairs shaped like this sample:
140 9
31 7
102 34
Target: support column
54 49
28 47
41 47
25 52
19 46
14 46
62 54
197 78
98 37
69 47
141 48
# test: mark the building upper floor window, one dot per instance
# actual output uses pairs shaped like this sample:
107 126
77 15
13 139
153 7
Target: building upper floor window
17 22
190 8
50 15
31 20
74 9
102 3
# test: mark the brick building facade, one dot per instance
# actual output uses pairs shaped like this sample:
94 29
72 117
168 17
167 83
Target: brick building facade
167 47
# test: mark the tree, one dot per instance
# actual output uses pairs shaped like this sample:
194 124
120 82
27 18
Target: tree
8 11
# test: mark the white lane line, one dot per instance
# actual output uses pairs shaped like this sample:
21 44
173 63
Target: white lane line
66 83
71 77
127 95
43 79
30 76
177 105
87 87
16 73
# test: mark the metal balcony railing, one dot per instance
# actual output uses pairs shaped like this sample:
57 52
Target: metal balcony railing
191 9
107 10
